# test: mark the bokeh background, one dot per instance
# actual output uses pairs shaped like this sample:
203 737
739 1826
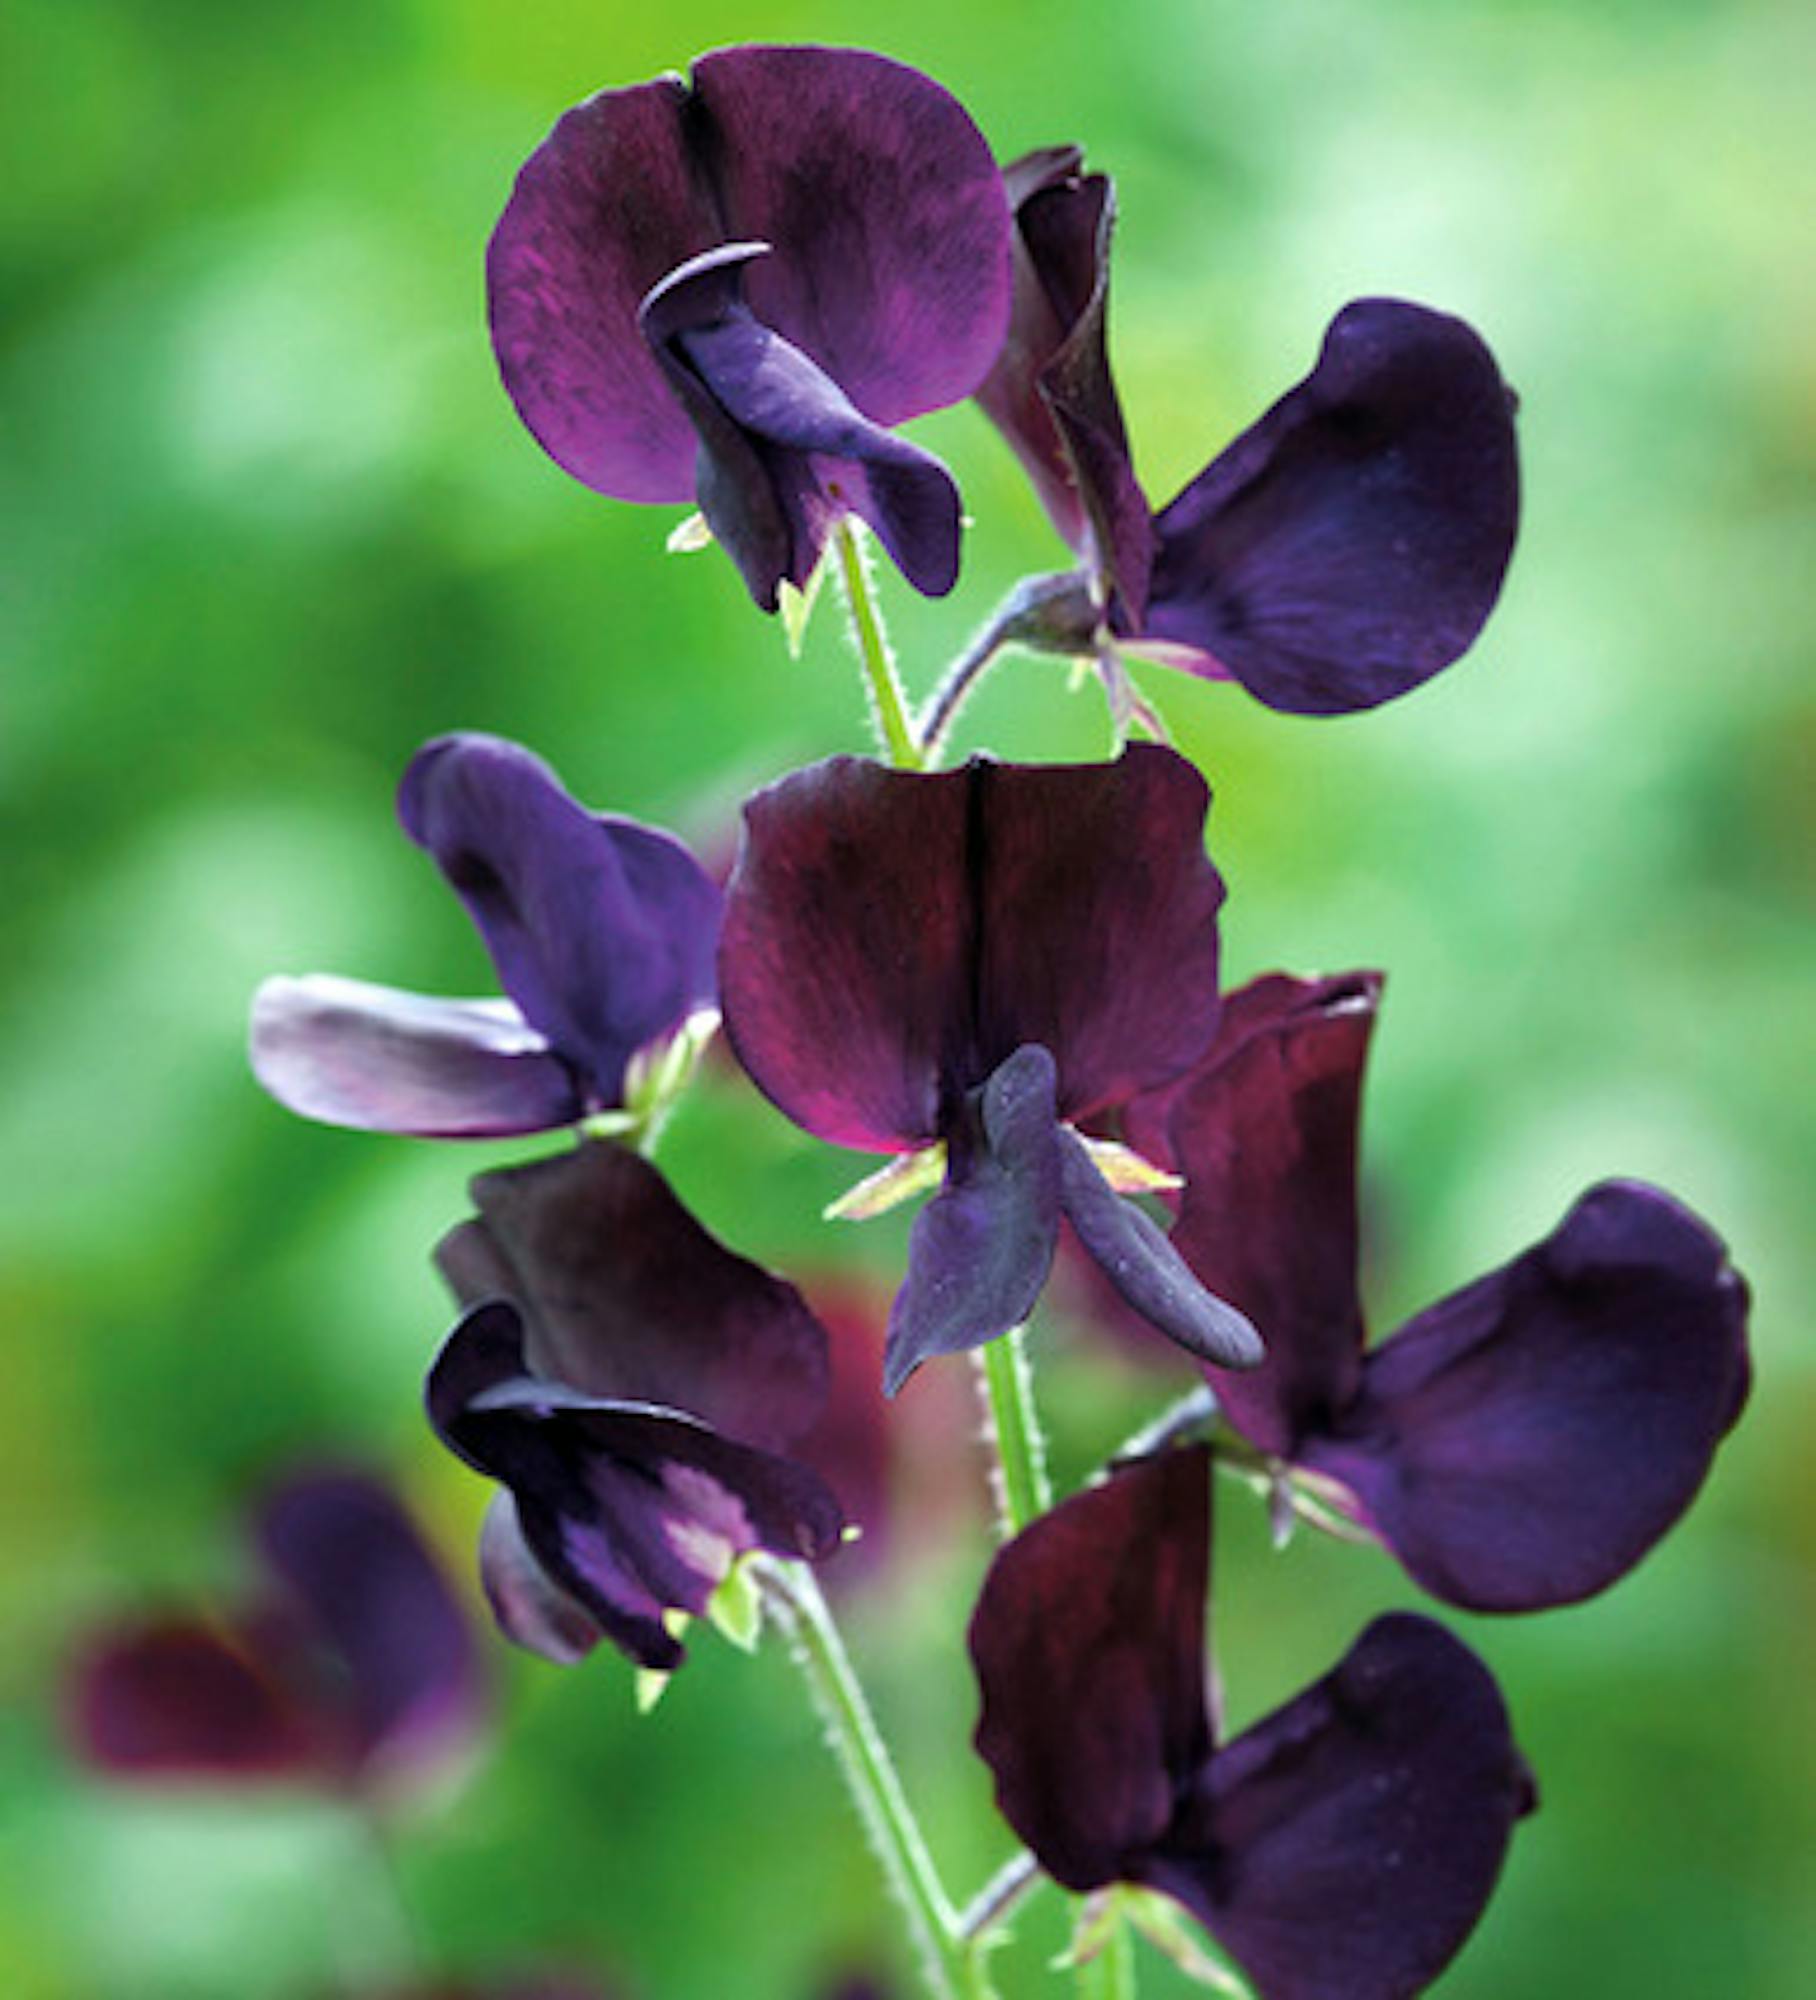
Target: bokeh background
268 522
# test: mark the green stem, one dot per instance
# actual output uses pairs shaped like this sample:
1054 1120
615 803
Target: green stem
790 1591
888 709
1111 1974
1023 1490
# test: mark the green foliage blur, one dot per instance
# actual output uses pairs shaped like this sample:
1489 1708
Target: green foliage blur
269 522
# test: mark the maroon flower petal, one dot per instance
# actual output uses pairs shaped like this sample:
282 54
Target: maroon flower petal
784 454
605 205
1265 1135
1524 1442
1051 392
380 1060
173 1698
603 931
406 1671
1345 1847
885 210
629 1510
1353 541
981 1249
1144 1268
1088 1640
624 1295
949 920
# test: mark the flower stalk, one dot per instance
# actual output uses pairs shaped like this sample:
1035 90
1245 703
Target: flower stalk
1019 1468
888 709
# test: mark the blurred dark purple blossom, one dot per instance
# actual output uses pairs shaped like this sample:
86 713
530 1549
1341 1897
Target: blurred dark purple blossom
629 1381
1521 1443
974 959
351 1665
602 931
1345 548
1342 1848
733 284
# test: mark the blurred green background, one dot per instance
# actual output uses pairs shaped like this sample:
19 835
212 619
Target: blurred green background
269 522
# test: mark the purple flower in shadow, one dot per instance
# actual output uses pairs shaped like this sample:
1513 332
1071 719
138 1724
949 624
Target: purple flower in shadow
1342 1848
629 1381
602 931
975 959
1521 1443
734 284
1345 548
353 1665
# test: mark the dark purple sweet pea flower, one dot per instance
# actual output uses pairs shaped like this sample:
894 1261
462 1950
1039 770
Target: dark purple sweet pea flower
1345 548
734 284
629 1381
1342 1848
353 1665
976 959
1523 1442
603 933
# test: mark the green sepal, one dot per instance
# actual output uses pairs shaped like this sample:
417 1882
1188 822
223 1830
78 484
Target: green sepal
796 607
1126 1171
1160 1920
876 1194
689 537
735 1609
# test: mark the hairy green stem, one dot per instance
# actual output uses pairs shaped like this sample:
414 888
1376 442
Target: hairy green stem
792 1594
888 709
1019 1472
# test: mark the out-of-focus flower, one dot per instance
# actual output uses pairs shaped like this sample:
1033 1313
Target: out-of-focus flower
1342 1848
1345 548
733 284
1521 1443
628 1380
602 931
352 1665
971 960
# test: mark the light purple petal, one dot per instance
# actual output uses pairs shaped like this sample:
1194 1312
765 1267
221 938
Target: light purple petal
603 931
531 1609
382 1060
1346 1845
1353 541
1088 1641
1524 1442
981 1249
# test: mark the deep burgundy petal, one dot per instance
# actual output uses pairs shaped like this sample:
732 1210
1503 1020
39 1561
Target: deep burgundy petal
846 950
603 931
382 1060
1088 1640
1051 392
407 1669
610 201
1344 1847
885 210
624 1295
1145 1269
629 1510
784 453
173 1698
1524 1442
949 920
1265 1135
1352 542
981 1249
